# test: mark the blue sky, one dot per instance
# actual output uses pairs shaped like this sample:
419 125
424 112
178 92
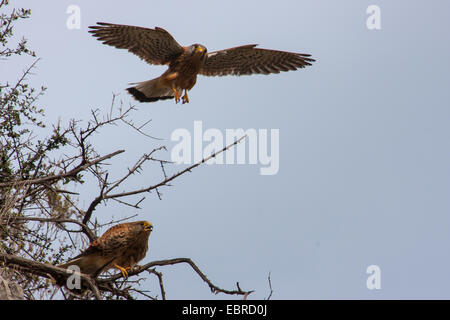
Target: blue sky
364 173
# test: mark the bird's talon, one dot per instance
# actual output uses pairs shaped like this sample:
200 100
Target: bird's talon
177 95
185 98
123 271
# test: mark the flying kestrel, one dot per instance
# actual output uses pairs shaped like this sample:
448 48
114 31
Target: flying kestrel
121 247
158 47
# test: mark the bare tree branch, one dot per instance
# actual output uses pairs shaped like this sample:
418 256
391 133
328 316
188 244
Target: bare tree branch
161 284
105 196
47 271
71 173
214 289
270 287
84 228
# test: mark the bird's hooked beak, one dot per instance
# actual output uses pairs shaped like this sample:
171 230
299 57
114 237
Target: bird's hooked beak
148 226
200 49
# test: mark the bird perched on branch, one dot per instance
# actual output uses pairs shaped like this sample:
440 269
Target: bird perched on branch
158 47
120 247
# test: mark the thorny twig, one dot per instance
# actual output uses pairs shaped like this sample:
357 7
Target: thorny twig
214 289
270 287
164 182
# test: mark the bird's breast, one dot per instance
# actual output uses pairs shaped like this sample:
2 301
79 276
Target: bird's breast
187 68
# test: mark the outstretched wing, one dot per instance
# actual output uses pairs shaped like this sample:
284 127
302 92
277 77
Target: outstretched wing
245 60
155 46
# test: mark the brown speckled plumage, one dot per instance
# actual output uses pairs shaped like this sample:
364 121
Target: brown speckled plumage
157 46
122 245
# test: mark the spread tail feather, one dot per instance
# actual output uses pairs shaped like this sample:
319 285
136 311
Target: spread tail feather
150 91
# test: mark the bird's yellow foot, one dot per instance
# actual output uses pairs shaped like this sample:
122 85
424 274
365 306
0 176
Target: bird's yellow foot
122 270
185 97
177 95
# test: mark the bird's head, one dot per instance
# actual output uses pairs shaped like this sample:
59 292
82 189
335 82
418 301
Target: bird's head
145 226
197 50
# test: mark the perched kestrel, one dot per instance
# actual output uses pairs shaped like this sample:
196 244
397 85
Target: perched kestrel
158 47
121 247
